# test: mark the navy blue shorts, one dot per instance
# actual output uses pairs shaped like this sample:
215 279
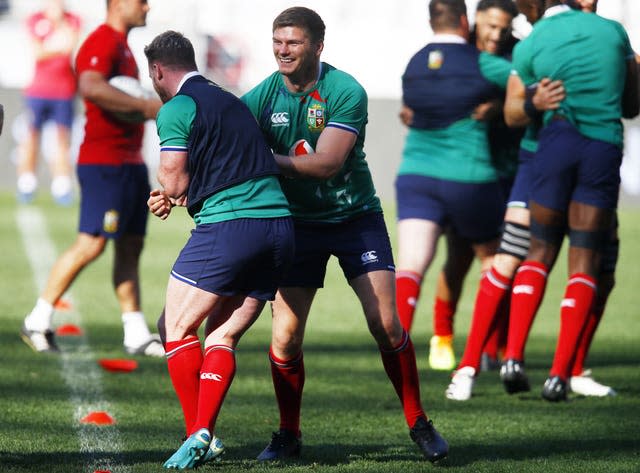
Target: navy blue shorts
41 110
571 167
245 256
361 245
473 211
113 199
521 190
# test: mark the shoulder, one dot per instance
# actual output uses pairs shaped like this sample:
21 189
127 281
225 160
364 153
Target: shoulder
336 80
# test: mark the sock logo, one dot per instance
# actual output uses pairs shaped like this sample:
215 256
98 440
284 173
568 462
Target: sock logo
568 303
523 289
211 376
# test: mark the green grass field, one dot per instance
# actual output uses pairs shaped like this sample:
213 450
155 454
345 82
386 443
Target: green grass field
352 421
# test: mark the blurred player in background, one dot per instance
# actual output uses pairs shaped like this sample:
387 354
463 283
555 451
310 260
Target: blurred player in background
213 160
113 180
491 34
447 179
54 35
314 117
575 177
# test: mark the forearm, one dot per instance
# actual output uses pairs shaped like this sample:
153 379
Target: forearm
312 166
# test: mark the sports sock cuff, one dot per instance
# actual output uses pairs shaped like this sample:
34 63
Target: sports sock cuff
498 279
409 275
284 363
583 278
404 341
189 343
213 348
534 266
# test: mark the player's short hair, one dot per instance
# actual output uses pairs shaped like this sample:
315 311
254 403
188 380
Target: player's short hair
304 18
506 6
446 13
171 49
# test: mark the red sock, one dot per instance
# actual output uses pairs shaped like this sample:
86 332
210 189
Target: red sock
407 294
443 312
575 308
497 340
491 292
216 375
526 295
184 359
288 382
585 340
400 365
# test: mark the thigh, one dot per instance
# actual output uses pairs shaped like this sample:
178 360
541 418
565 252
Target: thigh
417 197
39 111
312 252
475 211
521 189
598 177
362 245
62 112
417 244
135 190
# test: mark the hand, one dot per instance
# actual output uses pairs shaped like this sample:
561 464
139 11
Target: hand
159 204
549 94
484 111
406 115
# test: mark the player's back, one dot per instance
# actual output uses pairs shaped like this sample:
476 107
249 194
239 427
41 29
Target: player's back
588 53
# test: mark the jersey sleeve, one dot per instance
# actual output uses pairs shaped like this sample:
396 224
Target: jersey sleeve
174 122
349 108
97 53
522 64
626 43
495 69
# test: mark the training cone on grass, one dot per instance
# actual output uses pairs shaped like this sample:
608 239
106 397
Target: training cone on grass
102 471
69 330
98 418
118 365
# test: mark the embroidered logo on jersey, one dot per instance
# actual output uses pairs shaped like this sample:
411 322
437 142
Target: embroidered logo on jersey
436 58
280 119
110 221
315 117
369 257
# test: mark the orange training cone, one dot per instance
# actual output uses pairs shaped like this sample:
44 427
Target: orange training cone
98 418
69 330
118 365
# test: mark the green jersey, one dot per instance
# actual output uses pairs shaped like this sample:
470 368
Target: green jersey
292 123
588 54
260 197
449 144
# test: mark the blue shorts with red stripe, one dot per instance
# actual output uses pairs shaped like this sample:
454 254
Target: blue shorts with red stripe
113 199
473 211
246 256
568 166
361 245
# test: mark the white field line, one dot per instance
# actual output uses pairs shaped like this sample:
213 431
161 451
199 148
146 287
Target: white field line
100 445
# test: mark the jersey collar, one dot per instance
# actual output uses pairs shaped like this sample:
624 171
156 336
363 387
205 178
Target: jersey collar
447 38
556 10
186 77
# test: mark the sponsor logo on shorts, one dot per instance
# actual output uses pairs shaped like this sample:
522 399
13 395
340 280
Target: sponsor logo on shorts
369 257
280 119
110 221
211 376
523 289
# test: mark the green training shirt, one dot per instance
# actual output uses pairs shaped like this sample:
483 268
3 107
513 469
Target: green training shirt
255 198
289 119
588 53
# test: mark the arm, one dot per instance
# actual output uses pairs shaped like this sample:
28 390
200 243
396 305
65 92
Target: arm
174 179
631 93
1 118
406 115
548 95
93 86
332 149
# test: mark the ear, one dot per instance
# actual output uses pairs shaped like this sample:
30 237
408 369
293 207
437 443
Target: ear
319 48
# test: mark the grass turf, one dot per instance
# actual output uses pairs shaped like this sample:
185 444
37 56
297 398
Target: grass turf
351 420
